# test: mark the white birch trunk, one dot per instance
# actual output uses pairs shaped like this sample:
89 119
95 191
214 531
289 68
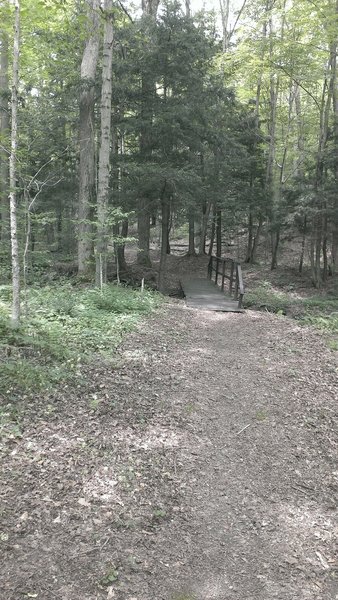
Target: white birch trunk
225 8
87 137
12 170
104 152
4 135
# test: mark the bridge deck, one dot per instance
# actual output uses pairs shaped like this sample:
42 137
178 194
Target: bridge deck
203 293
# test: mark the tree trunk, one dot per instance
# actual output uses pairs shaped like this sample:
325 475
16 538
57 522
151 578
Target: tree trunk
4 136
225 8
204 226
165 208
324 246
120 248
12 170
256 239
250 237
320 213
270 183
87 138
275 245
334 251
212 233
149 9
302 252
104 153
218 232
191 247
170 224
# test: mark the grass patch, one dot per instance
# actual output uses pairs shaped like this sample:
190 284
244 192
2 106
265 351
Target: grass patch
65 327
318 311
328 323
265 297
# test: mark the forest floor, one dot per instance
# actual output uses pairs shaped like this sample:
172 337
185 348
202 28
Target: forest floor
202 466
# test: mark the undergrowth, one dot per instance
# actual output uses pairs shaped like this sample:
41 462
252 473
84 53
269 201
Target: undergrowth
318 311
64 328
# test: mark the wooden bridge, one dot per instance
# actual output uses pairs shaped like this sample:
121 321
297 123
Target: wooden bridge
210 293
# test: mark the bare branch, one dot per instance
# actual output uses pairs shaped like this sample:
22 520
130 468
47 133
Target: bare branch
237 19
125 11
279 66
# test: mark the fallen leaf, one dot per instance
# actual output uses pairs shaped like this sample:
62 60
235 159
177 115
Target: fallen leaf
83 502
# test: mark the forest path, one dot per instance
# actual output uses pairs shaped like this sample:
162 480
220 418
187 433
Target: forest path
199 468
255 520
204 294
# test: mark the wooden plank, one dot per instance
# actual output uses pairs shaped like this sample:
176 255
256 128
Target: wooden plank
202 293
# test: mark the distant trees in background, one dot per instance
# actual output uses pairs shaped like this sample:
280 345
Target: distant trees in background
128 119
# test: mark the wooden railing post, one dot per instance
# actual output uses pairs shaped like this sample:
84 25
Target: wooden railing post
236 284
231 276
235 276
240 286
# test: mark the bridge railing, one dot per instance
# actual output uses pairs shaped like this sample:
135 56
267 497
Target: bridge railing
228 269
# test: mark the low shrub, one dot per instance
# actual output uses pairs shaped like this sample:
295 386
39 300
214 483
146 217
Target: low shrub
65 326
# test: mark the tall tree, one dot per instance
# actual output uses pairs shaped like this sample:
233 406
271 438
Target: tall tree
4 132
87 136
12 169
149 9
105 144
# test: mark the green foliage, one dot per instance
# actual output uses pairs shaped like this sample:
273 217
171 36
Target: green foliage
265 297
318 311
110 577
66 326
328 323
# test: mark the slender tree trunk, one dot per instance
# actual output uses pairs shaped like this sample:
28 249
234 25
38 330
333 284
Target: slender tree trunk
120 248
87 138
299 169
12 169
318 219
212 232
204 226
143 227
250 237
218 232
145 209
4 136
270 178
225 9
191 221
302 252
253 240
324 244
165 208
257 239
279 184
334 249
104 153
275 245
170 224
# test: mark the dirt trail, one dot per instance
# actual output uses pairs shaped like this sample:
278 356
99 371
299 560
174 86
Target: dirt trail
206 470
